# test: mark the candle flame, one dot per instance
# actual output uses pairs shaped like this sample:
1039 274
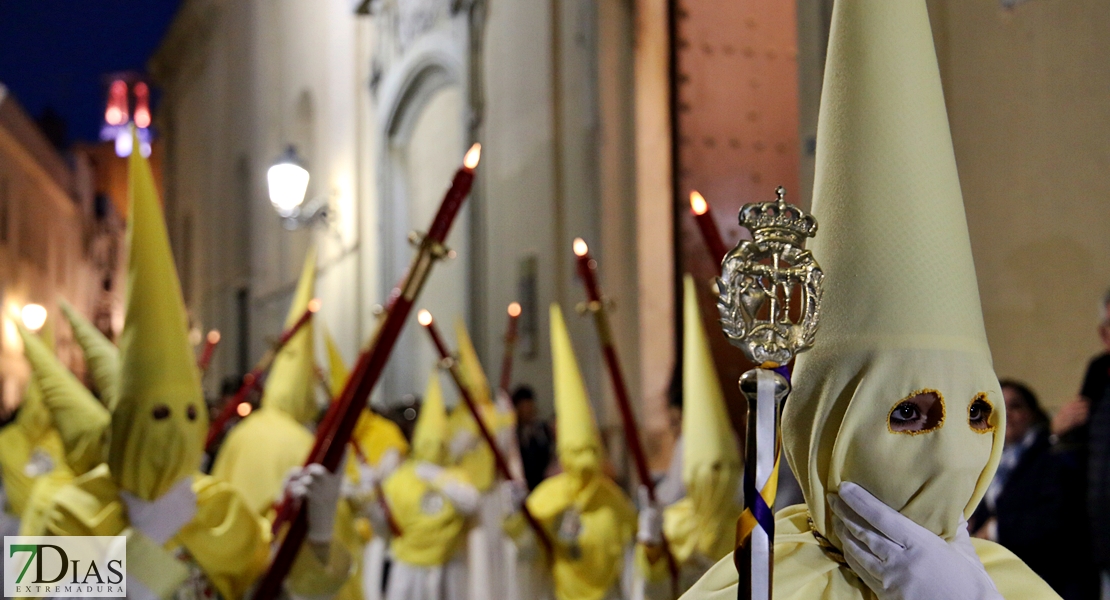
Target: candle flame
698 203
314 305
580 247
424 317
243 409
514 309
214 337
470 161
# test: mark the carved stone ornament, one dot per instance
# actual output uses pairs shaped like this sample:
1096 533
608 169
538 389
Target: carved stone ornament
770 286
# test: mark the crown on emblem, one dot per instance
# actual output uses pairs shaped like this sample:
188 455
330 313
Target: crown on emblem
777 221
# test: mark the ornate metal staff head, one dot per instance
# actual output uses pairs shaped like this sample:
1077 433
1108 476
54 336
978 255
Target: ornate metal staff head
770 286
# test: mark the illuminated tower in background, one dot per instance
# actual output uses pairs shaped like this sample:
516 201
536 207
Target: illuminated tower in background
128 103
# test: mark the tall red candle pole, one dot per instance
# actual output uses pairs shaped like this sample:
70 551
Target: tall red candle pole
210 342
338 423
502 465
703 216
254 377
510 346
587 271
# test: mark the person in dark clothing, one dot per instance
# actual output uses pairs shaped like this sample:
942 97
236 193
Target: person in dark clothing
1081 430
534 436
1030 506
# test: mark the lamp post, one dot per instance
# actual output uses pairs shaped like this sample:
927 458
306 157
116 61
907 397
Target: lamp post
287 181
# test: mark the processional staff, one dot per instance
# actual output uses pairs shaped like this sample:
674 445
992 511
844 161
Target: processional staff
587 271
334 431
764 282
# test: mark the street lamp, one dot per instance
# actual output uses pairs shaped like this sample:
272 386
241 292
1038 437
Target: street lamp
287 180
33 316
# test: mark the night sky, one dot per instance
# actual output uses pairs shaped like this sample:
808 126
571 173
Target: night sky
54 53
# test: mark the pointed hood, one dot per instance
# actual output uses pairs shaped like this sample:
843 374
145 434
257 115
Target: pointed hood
473 375
81 421
708 443
338 372
291 384
159 423
576 427
429 437
101 355
901 313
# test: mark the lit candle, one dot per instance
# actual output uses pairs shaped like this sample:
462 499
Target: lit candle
210 342
703 216
510 345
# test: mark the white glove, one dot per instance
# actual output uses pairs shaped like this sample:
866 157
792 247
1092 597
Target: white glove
901 560
162 518
650 526
428 472
464 496
320 487
379 521
462 442
388 463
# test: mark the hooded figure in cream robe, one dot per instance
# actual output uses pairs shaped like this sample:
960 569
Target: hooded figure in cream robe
896 422
260 452
186 532
38 451
590 520
363 524
188 535
78 419
700 528
432 504
490 554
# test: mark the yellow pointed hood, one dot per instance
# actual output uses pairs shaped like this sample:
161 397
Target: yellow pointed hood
81 421
291 384
101 355
429 437
473 375
901 313
34 416
338 372
576 427
159 423
708 443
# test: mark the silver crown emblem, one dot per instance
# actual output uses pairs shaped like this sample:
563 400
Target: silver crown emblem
770 286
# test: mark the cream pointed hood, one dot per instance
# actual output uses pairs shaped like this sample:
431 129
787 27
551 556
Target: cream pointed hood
709 445
901 312
291 384
429 437
101 355
160 421
576 428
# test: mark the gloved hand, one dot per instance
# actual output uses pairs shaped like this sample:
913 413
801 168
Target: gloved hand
428 472
388 463
901 560
320 488
162 518
462 442
650 523
379 521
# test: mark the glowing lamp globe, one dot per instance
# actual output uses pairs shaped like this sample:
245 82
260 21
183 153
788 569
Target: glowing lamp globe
287 181
33 316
